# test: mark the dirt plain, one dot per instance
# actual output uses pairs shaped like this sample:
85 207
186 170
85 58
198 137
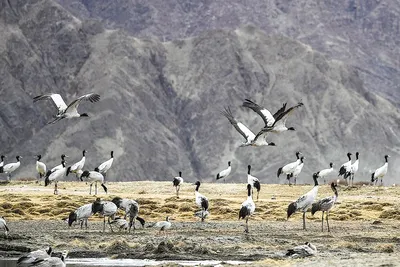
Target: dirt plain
365 227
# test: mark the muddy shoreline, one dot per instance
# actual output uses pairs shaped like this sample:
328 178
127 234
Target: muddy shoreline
207 241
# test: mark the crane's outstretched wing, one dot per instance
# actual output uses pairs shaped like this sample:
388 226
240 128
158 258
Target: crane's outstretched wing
88 97
57 100
282 117
240 127
263 112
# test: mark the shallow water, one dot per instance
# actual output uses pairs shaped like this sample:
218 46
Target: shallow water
93 262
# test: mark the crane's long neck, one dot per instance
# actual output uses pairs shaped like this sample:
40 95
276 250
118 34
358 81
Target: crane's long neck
349 157
197 188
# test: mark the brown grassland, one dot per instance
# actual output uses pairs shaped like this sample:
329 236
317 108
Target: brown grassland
364 223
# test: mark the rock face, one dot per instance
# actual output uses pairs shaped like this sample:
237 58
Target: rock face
160 102
362 33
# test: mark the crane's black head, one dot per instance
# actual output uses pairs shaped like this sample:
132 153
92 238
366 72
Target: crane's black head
357 155
3 157
229 163
298 154
349 154
84 152
84 115
331 164
271 144
386 158
197 183
180 174
302 158
72 218
39 157
18 157
291 209
291 129
112 154
248 169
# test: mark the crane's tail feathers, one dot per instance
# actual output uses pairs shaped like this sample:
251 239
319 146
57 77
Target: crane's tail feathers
279 172
1 169
243 212
373 177
104 187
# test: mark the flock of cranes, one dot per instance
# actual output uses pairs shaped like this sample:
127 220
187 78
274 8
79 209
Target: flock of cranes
275 123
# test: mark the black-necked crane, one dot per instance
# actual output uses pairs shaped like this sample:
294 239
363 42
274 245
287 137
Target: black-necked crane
289 168
250 137
253 181
346 167
40 167
353 169
55 176
248 208
58 167
224 173
325 205
273 123
3 226
302 251
70 111
11 167
163 225
298 169
304 202
105 209
93 177
177 182
27 259
106 165
81 214
75 168
380 172
131 208
325 172
201 200
51 261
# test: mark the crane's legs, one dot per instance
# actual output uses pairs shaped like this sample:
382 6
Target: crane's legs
304 221
327 221
323 220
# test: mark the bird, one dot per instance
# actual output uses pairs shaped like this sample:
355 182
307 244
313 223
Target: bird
27 259
81 214
298 169
40 167
11 167
224 173
202 214
163 225
177 182
201 200
248 208
380 172
2 163
304 202
325 172
105 209
106 165
273 123
93 177
289 168
51 261
121 223
353 169
55 176
325 205
245 132
131 208
58 167
70 111
345 168
3 226
75 168
302 251
253 181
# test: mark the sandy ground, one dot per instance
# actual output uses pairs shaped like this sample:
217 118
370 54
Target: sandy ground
365 227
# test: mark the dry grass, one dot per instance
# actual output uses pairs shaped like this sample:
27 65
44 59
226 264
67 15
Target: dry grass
27 200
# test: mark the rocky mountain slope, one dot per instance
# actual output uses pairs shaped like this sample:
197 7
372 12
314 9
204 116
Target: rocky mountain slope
160 102
362 33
